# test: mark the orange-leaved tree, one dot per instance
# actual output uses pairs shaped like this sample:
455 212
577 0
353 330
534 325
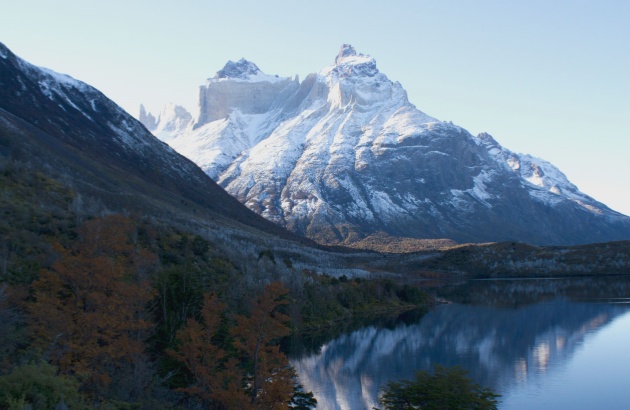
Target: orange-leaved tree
88 313
198 351
271 379
251 373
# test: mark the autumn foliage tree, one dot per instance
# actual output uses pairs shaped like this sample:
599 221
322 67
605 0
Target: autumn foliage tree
200 354
88 314
272 381
249 372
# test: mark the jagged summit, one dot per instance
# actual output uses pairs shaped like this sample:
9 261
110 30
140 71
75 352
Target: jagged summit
350 63
346 51
240 69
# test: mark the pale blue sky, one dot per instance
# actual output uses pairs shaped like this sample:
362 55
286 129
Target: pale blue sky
547 78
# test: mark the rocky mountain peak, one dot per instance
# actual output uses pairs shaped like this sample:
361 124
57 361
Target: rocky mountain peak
239 69
346 51
349 63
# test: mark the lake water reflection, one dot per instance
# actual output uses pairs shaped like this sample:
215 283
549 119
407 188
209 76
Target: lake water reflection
540 343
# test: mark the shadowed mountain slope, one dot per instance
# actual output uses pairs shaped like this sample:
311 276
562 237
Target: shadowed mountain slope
73 132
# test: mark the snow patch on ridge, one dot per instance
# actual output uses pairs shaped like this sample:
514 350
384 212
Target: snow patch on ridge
480 190
56 86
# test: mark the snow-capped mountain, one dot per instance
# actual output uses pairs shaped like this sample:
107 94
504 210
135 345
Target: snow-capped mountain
343 155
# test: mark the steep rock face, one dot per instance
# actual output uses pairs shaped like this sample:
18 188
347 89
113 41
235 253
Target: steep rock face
239 86
344 155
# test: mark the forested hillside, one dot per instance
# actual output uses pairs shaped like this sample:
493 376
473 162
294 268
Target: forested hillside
110 310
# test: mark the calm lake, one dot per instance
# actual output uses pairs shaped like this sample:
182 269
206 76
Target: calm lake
542 344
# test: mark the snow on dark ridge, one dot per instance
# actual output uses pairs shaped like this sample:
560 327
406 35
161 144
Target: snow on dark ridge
64 79
239 69
50 81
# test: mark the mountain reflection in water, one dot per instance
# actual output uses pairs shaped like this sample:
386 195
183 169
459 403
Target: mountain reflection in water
500 346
